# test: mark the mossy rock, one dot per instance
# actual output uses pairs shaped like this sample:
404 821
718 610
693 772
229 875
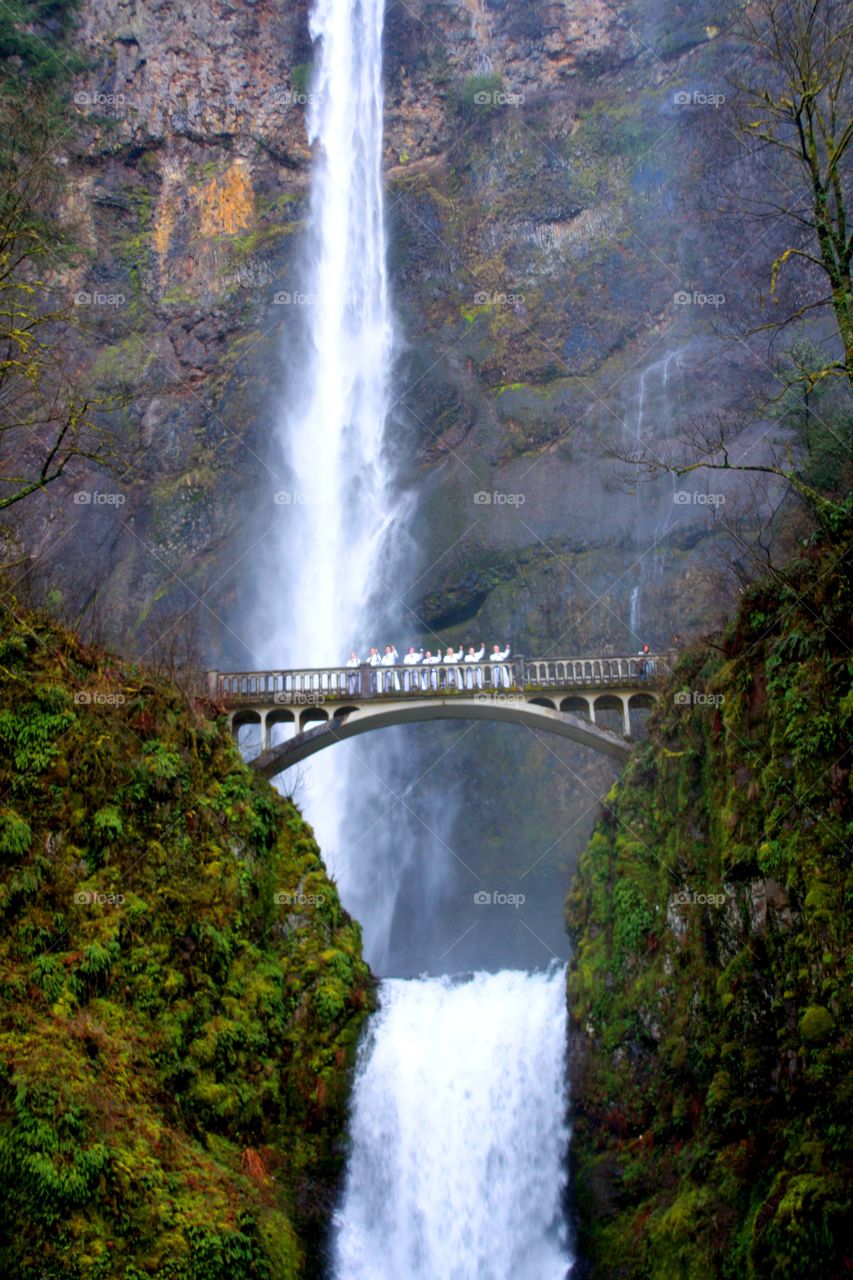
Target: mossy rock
715 1080
816 1023
175 1045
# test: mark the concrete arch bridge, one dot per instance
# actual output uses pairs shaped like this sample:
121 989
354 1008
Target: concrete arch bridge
327 705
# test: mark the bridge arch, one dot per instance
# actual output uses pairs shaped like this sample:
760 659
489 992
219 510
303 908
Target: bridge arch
329 731
248 718
279 715
310 716
577 705
615 703
640 705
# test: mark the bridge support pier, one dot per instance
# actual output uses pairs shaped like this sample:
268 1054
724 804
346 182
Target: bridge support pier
262 722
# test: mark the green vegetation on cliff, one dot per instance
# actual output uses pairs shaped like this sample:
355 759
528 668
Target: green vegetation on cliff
32 34
181 989
710 988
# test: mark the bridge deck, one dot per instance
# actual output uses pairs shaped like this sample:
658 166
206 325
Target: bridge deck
295 686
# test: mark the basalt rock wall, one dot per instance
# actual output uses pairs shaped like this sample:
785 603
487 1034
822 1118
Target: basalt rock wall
542 181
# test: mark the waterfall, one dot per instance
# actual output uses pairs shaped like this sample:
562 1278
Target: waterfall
648 417
459 1137
333 426
340 501
458 1133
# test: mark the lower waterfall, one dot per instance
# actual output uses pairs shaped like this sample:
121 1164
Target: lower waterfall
459 1134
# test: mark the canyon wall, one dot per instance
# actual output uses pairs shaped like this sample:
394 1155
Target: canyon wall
543 199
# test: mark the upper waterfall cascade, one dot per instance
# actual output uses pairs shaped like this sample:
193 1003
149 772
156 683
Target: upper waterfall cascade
340 503
332 427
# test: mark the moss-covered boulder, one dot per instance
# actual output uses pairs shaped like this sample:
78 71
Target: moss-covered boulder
181 989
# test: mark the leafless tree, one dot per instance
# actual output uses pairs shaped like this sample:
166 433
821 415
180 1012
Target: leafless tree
46 421
794 117
794 107
171 646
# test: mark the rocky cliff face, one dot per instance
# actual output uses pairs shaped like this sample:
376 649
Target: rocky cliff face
188 171
542 230
539 171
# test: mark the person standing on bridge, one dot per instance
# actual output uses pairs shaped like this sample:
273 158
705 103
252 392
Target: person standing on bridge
451 657
500 675
411 659
429 679
352 678
392 680
474 675
374 661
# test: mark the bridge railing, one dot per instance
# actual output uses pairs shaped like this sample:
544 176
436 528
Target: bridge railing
566 673
321 684
316 683
271 686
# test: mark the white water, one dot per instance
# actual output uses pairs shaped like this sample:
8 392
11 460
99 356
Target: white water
458 1133
337 502
640 426
333 432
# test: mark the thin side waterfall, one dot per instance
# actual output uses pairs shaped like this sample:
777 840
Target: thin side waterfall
648 415
459 1134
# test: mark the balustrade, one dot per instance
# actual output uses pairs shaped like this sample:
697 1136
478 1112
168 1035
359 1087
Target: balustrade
320 684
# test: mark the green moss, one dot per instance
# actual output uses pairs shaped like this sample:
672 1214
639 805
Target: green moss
470 314
816 1023
261 240
174 1042
709 984
15 834
300 77
124 363
478 93
179 296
